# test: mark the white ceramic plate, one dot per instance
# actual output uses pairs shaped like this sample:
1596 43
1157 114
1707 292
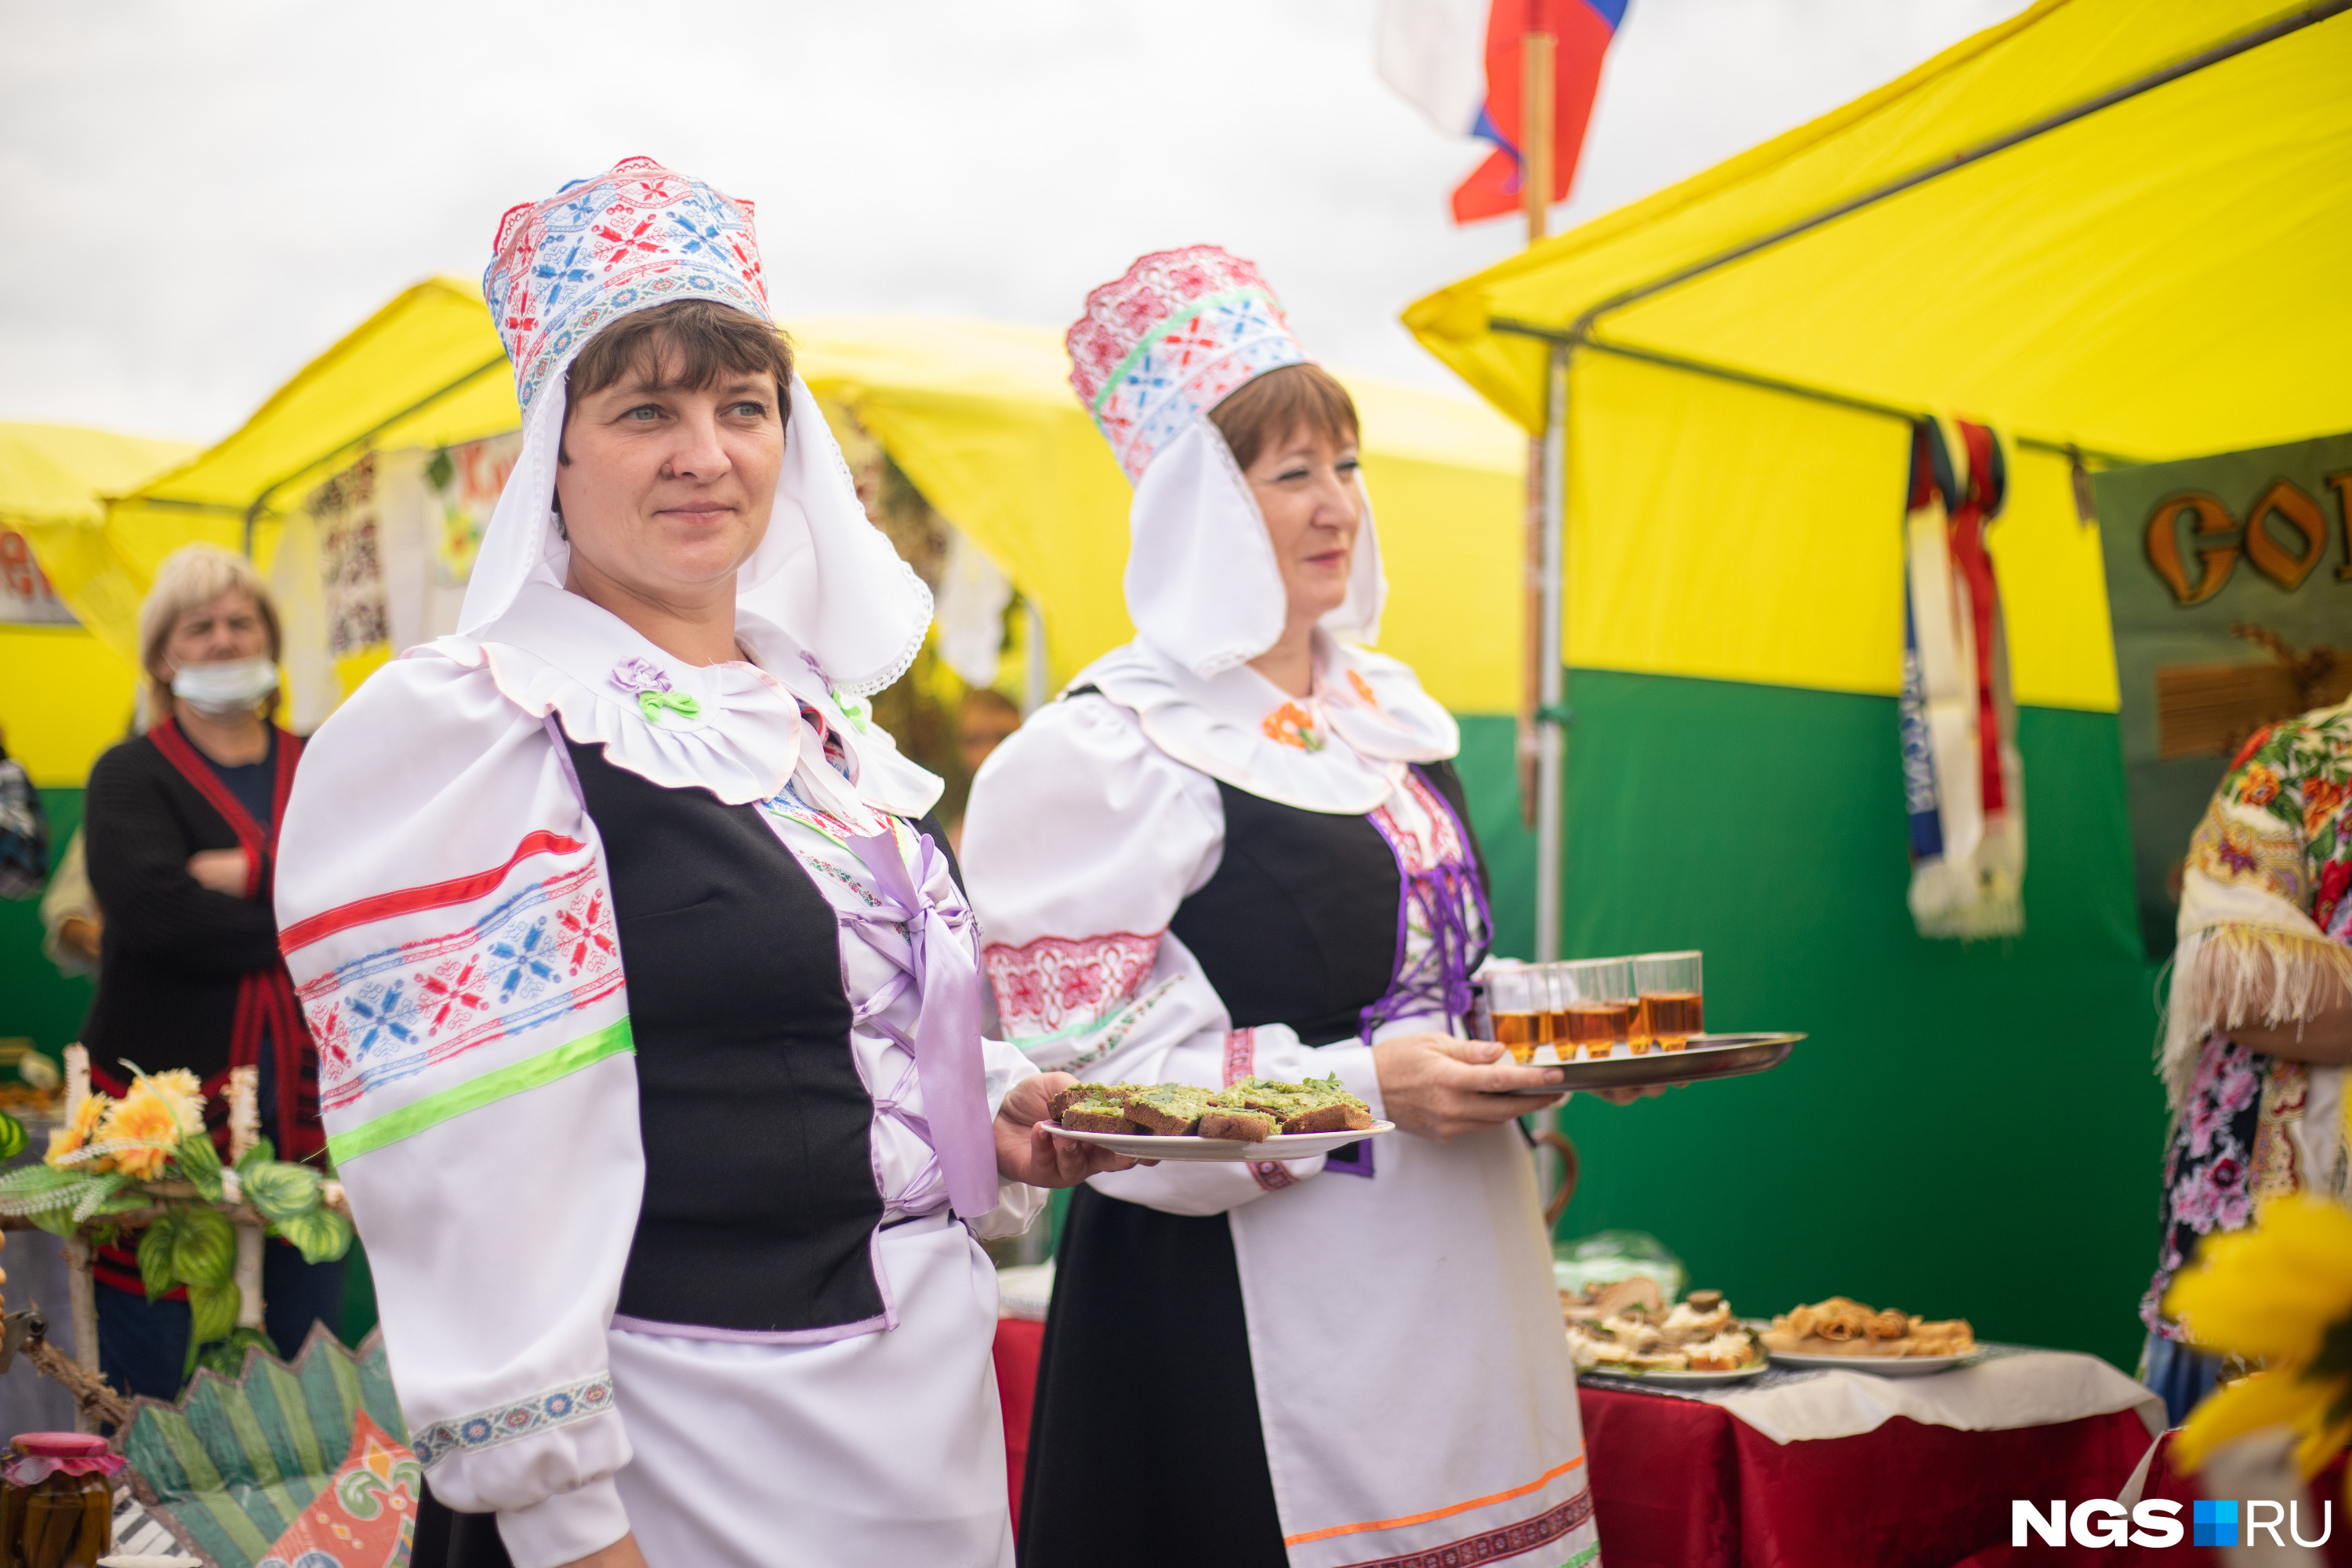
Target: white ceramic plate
1281 1146
1879 1365
1668 1378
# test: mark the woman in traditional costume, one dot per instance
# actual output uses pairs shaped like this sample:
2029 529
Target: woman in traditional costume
1237 846
648 1004
2258 1028
182 827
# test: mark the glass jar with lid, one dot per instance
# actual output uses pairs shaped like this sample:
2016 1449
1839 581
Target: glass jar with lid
56 1501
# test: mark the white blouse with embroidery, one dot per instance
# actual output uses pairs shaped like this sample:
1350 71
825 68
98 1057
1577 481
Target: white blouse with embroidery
1100 816
444 906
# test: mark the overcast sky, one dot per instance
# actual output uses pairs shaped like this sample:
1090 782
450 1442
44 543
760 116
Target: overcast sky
200 197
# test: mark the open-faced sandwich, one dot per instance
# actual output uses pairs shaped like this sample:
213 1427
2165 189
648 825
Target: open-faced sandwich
1842 1327
1251 1110
1627 1327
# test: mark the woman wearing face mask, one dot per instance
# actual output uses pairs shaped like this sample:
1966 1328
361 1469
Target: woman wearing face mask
1236 847
648 1005
181 834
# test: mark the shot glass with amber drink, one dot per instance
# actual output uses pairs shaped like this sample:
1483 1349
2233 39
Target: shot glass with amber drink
1597 1007
1670 992
1517 997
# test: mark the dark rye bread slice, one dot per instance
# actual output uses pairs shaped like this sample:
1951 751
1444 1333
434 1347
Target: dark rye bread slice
1249 1126
1166 1109
1333 1118
1092 1108
1095 1118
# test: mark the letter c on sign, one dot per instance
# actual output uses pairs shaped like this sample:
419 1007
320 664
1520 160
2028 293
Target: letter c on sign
2210 518
2100 1522
2159 1522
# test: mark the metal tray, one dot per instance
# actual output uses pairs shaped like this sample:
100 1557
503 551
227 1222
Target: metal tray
1706 1056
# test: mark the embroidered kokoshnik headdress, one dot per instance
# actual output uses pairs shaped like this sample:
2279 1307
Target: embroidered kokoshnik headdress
635 237
1157 348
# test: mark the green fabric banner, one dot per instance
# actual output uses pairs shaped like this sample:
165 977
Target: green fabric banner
2230 585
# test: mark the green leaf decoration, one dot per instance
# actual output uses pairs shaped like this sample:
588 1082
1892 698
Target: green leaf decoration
155 1266
321 1235
213 1311
93 1197
59 1223
13 1138
262 1153
204 1251
32 1188
199 1162
281 1191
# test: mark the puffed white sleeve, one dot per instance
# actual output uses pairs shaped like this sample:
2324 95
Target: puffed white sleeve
1081 840
443 905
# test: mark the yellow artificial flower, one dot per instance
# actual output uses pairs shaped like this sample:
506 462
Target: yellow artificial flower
185 1094
2271 1293
148 1126
2280 1293
72 1137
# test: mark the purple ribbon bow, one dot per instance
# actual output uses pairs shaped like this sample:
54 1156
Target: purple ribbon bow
938 961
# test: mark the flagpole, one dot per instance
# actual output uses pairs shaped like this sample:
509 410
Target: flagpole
1542 743
1537 62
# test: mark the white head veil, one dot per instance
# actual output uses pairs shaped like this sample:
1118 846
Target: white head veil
633 238
1155 352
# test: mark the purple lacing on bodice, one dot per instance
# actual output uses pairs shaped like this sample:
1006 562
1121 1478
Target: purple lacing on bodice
1445 894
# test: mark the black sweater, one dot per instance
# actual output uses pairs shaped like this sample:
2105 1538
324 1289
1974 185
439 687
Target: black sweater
172 950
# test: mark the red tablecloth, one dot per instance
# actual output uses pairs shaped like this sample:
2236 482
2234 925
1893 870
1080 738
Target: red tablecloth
1677 1483
2164 1481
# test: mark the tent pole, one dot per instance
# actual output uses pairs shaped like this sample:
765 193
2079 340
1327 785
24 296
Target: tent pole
1551 728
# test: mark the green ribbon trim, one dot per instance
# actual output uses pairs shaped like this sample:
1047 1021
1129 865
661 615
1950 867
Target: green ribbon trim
651 703
1167 324
533 1072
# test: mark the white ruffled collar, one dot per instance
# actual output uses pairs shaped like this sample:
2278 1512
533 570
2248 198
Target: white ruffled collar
734 729
1341 750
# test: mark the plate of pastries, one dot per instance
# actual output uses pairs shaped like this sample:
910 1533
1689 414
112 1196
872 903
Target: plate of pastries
1844 1334
1628 1329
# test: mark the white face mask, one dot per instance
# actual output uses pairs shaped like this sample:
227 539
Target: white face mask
228 688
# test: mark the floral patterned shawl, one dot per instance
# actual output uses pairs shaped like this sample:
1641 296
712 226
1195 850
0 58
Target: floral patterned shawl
2265 923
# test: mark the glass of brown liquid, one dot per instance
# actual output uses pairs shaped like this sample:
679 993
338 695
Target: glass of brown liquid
1670 990
1595 998
1518 999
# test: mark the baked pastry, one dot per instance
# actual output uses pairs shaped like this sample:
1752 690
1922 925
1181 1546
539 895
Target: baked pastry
1842 1327
1626 1327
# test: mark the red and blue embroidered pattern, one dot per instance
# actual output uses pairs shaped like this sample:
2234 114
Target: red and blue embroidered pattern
543 951
1169 341
636 235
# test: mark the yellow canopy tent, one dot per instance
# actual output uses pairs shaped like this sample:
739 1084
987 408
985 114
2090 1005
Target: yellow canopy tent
65 690
2117 228
980 417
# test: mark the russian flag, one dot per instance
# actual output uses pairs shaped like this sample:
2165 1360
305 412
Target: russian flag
1458 61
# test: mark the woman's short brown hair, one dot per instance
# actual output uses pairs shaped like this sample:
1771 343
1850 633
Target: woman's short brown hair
699 340
1272 407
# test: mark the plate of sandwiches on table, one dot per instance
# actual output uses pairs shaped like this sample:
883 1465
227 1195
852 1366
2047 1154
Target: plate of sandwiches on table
1627 1330
1841 1334
1256 1119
